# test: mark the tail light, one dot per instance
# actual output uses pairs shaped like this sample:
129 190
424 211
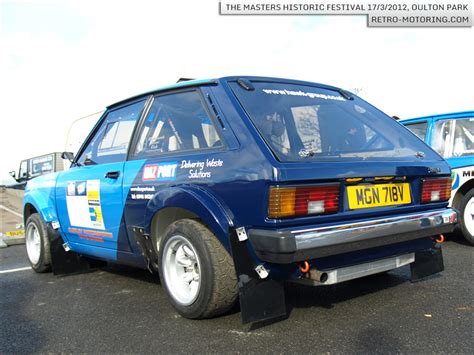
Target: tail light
301 201
435 190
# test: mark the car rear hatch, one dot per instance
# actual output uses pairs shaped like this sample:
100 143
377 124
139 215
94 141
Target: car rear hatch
336 157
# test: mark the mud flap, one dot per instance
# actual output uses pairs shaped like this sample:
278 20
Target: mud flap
147 249
67 262
260 299
427 262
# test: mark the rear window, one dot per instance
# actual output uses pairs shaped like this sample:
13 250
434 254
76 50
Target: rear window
300 123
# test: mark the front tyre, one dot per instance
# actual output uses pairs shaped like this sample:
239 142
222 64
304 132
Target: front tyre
467 216
37 244
196 271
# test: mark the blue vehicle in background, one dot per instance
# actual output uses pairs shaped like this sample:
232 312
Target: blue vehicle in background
452 136
230 188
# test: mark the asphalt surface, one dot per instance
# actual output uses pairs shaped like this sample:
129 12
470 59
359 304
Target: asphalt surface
125 310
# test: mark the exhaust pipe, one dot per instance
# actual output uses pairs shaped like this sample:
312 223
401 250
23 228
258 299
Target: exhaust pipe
317 275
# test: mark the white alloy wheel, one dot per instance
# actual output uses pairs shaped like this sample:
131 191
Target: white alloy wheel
181 270
33 243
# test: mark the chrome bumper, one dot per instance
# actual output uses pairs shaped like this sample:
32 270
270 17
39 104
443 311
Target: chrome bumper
286 245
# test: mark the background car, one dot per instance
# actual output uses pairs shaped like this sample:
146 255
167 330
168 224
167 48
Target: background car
452 136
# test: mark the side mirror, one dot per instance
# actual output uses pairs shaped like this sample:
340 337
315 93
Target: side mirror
12 174
68 156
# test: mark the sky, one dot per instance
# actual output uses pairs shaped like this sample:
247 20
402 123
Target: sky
64 60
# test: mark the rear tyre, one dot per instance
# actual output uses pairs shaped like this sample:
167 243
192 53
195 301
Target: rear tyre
466 212
37 244
196 271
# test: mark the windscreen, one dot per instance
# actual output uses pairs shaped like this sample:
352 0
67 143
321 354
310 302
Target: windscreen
301 123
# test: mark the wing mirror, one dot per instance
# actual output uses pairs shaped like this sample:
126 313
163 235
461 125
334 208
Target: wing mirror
68 156
12 174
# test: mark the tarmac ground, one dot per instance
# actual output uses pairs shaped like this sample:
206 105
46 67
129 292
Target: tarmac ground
123 310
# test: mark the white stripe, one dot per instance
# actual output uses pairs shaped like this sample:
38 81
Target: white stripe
11 211
15 270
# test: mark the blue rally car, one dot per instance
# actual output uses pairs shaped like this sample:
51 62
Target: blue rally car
230 188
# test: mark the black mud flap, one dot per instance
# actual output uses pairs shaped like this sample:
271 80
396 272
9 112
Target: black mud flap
67 262
260 299
427 262
147 249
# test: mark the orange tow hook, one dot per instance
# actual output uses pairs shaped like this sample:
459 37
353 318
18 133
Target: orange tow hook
305 267
440 239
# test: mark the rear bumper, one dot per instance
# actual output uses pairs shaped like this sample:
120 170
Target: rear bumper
284 246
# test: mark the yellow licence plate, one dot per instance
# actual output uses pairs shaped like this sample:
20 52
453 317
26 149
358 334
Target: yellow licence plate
366 196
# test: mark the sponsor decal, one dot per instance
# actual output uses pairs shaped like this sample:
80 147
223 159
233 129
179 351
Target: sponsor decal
312 95
83 204
142 192
200 169
160 172
455 177
88 234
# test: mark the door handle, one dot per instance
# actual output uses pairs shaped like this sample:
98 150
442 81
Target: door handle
112 174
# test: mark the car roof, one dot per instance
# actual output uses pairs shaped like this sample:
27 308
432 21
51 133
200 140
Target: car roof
205 82
440 116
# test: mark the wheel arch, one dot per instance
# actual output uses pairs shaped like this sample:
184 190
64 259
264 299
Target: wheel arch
37 203
175 203
28 210
468 185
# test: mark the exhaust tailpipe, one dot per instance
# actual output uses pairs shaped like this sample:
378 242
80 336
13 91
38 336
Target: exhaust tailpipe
317 275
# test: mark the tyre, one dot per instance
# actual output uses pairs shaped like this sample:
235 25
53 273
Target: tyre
466 212
37 244
196 271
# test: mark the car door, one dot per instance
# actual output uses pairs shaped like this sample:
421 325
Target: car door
89 195
178 143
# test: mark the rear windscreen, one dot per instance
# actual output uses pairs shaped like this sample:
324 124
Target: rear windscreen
300 123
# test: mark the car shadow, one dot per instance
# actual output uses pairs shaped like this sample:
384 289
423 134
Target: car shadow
302 296
297 295
457 237
132 272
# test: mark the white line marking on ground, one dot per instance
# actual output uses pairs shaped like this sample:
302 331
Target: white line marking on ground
11 211
15 270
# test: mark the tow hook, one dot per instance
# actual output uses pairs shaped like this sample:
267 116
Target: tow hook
304 268
312 273
440 239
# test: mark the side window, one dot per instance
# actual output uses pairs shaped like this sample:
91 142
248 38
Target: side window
454 137
23 173
177 122
42 165
443 137
110 142
419 129
464 137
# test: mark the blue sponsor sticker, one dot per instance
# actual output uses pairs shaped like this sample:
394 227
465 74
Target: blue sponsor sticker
160 172
455 177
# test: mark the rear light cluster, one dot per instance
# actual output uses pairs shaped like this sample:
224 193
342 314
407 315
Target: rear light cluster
435 190
301 201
